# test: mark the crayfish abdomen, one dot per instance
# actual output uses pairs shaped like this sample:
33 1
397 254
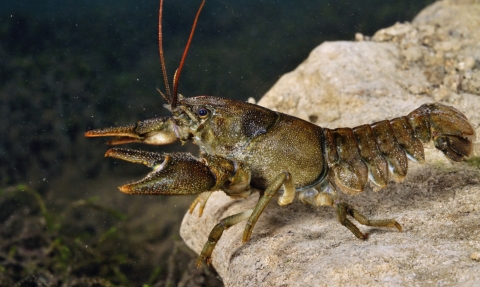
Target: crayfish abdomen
379 151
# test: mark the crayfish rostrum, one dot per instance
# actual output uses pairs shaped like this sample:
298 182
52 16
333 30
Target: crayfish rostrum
246 148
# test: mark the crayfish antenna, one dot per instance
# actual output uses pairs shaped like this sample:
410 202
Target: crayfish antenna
179 70
173 98
163 95
162 59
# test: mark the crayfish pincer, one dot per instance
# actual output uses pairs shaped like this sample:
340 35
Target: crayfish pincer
246 148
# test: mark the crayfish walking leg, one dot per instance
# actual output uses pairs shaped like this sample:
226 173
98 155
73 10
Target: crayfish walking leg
328 197
289 194
344 209
284 179
217 232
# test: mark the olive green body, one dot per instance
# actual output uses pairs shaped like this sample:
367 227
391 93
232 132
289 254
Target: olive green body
246 148
292 145
268 142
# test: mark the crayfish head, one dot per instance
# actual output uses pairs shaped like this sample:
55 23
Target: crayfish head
222 126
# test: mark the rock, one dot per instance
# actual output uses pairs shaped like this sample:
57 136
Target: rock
348 84
475 256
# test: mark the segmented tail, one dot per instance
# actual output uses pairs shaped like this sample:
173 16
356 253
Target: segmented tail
379 151
446 126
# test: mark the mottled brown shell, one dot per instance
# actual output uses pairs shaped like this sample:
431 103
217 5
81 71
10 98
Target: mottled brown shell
379 151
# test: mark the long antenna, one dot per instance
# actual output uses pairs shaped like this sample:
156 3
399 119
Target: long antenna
173 102
168 98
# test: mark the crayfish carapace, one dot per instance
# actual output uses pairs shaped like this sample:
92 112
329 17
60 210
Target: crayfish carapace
246 148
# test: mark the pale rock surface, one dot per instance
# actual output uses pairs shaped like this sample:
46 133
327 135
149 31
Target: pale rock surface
434 58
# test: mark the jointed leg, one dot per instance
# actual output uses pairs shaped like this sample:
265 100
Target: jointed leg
342 218
217 232
343 209
202 200
253 214
283 178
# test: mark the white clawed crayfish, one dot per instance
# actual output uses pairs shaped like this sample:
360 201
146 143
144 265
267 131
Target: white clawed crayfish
245 148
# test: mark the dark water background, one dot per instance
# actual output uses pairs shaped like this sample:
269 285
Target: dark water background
70 66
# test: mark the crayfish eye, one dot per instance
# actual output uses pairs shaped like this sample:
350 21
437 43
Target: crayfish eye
202 113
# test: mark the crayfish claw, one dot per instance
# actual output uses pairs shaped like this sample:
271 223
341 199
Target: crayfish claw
128 130
123 134
156 131
150 159
173 174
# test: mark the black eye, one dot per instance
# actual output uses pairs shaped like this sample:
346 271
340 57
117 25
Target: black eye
202 112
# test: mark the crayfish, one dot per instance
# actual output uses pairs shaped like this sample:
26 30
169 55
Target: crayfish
246 148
